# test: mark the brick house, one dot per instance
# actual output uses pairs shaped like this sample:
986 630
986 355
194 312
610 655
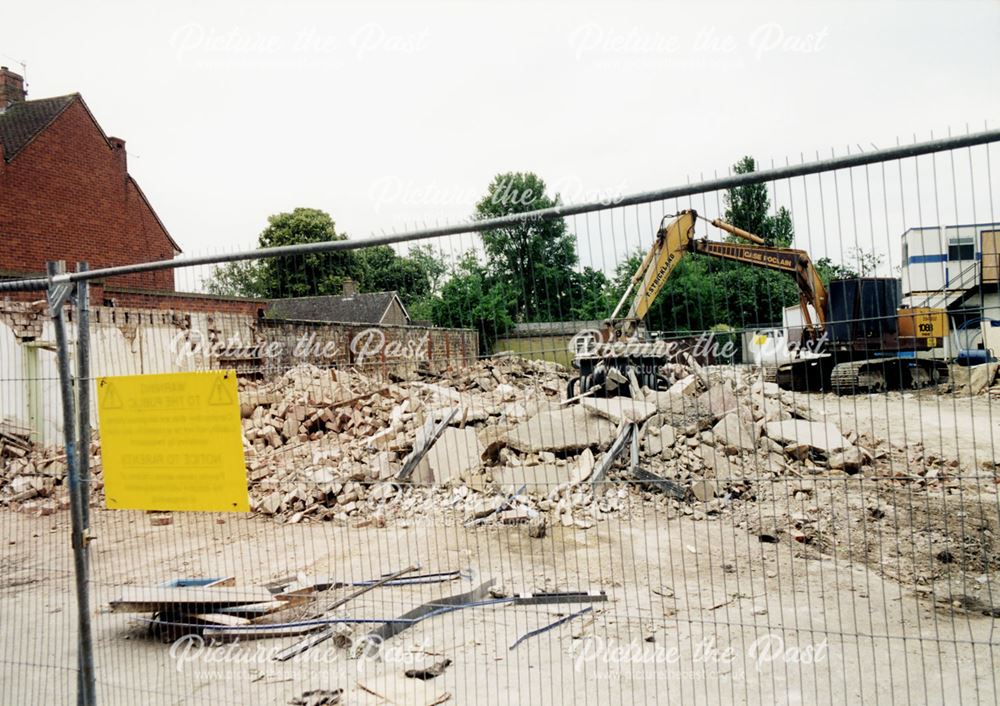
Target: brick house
66 194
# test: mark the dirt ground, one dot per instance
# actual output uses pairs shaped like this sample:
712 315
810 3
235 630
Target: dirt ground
697 611
958 427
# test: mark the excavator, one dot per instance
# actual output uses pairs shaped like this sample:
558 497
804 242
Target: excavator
858 340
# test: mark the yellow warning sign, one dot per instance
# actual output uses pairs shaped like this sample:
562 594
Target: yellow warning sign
172 442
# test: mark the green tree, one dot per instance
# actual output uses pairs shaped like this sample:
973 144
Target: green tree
380 269
593 295
434 263
304 275
469 299
749 207
755 295
691 300
294 276
534 258
829 270
236 279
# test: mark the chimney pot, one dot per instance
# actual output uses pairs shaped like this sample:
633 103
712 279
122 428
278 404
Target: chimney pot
118 147
11 88
350 288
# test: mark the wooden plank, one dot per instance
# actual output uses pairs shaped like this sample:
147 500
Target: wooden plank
221 619
140 599
254 609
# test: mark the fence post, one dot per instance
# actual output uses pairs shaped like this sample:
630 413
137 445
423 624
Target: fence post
58 294
83 395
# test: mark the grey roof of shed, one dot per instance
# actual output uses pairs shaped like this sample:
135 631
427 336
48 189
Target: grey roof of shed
366 308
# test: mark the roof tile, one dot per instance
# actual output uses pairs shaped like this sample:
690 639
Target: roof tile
21 122
368 308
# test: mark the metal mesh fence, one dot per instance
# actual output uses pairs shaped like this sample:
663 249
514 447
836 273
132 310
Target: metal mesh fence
466 493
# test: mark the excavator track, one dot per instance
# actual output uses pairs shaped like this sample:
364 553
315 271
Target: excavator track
849 378
878 374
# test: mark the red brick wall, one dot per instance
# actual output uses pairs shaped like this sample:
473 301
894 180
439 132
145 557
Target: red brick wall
145 299
66 196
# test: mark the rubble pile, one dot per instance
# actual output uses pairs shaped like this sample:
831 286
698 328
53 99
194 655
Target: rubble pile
499 442
29 476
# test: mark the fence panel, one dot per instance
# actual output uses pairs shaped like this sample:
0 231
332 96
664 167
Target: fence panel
443 508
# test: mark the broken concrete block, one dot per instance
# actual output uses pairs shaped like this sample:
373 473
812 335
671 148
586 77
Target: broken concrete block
717 464
821 436
382 465
731 432
849 460
538 479
537 527
323 475
619 409
797 451
972 379
382 491
454 455
719 400
567 429
656 440
685 386
270 504
584 467
704 490
668 402
767 389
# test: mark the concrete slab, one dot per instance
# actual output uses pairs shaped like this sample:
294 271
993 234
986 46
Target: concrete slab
456 454
619 409
685 386
731 431
822 436
657 440
539 479
720 400
568 429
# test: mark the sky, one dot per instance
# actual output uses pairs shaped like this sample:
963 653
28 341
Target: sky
394 116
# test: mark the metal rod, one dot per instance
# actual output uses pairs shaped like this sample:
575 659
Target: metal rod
57 296
83 393
323 635
738 232
550 626
718 184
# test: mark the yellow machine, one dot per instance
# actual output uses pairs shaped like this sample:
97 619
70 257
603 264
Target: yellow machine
864 341
677 237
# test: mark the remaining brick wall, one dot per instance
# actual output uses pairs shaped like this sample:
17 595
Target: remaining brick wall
67 196
373 349
178 301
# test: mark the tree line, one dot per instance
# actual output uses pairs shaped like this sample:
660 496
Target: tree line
529 272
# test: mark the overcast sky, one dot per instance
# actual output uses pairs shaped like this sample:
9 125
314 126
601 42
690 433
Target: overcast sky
394 115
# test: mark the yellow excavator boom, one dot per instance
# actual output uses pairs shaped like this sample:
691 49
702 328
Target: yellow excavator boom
677 237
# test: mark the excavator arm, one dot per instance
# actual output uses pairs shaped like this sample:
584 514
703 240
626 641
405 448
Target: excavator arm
676 238
795 262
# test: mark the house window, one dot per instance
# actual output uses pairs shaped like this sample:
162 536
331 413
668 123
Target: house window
961 249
